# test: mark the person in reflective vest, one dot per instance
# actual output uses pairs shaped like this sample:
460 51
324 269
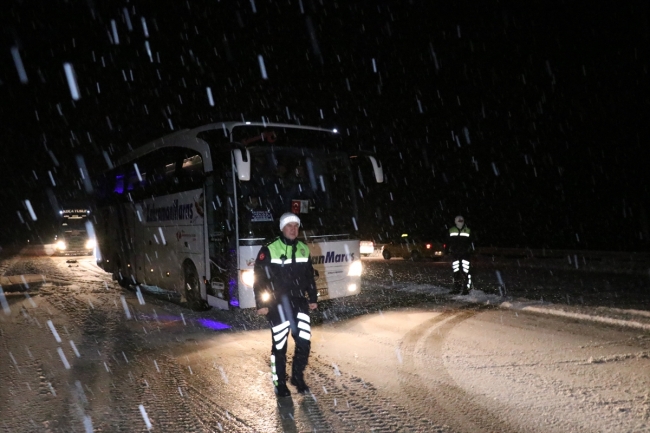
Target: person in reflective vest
460 248
285 292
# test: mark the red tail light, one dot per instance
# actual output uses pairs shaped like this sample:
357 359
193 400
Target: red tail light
428 246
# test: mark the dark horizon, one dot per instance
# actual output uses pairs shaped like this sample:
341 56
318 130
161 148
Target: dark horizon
526 119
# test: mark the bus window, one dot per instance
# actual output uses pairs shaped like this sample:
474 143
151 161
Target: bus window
190 172
193 164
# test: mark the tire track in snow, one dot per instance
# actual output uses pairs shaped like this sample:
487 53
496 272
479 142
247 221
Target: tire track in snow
436 393
349 404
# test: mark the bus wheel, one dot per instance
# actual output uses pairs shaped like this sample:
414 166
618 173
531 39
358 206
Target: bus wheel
193 288
386 254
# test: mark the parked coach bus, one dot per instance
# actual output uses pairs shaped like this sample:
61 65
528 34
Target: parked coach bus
188 212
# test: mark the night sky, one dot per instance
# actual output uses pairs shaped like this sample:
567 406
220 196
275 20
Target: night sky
529 118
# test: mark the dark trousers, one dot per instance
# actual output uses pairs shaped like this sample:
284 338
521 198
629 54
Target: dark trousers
460 265
289 316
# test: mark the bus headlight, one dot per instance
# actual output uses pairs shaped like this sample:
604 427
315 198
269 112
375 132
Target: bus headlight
355 269
60 245
248 277
90 244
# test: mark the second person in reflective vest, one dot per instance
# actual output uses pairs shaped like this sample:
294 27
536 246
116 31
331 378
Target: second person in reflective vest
460 248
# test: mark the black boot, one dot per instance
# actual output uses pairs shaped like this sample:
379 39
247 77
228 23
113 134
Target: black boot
300 385
457 284
281 390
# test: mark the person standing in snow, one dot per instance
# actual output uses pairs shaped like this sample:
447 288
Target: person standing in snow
285 292
460 248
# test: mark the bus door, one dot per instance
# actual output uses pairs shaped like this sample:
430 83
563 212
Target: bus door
121 221
220 212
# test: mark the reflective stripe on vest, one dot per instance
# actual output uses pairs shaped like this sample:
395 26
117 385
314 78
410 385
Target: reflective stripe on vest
465 231
278 249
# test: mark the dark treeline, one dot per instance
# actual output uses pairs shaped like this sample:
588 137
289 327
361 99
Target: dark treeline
526 119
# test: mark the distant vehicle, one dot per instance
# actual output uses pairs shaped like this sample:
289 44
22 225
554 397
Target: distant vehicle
188 212
73 237
413 248
366 248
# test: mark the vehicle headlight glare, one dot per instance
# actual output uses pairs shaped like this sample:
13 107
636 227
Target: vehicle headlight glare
90 244
60 245
248 277
266 296
355 269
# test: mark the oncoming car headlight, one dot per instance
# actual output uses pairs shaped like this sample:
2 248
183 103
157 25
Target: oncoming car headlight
355 269
60 245
248 277
266 296
90 244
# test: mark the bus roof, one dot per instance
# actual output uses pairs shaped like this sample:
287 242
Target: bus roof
188 138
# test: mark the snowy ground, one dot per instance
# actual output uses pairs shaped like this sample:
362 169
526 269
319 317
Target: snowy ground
540 348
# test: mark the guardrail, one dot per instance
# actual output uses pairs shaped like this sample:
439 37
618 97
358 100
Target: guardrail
598 261
592 261
546 253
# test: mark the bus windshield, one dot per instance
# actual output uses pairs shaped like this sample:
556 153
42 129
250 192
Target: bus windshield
315 184
73 224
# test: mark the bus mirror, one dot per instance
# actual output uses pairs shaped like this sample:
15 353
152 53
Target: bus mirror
378 169
243 163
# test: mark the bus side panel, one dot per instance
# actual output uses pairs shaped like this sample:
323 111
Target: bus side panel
172 232
332 261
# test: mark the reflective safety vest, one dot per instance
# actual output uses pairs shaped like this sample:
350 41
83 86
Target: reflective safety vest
282 253
455 231
283 269
459 240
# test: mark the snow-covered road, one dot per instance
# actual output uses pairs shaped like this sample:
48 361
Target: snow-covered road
78 353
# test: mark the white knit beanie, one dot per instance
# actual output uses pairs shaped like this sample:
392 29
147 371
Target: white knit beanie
288 218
